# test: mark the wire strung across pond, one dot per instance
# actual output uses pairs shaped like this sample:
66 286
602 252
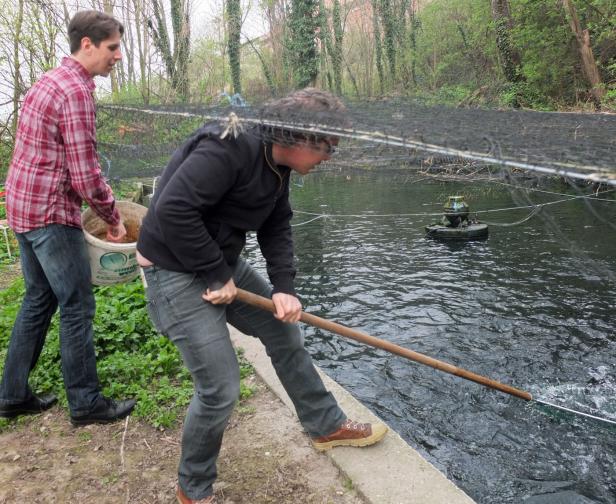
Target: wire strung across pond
534 210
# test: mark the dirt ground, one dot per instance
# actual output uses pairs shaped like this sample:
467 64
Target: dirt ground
265 459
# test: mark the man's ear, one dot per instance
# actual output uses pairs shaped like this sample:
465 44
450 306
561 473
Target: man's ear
86 43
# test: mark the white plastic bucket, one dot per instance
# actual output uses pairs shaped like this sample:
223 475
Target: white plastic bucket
113 263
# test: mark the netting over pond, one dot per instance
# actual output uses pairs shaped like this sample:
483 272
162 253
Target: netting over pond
136 141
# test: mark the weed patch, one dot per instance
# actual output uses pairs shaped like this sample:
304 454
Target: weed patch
133 360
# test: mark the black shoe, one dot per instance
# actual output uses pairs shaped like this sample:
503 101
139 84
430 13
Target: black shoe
32 406
105 411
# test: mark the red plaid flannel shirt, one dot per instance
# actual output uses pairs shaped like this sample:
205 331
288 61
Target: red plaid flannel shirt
55 165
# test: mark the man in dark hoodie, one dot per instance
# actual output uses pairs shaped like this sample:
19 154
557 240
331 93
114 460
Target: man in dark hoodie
216 188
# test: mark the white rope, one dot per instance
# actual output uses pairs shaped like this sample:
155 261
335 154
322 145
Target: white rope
234 126
592 196
535 208
517 223
309 221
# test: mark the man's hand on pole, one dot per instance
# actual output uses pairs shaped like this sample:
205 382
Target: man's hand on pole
288 307
225 295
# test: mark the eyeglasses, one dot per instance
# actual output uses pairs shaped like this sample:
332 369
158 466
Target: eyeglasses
330 146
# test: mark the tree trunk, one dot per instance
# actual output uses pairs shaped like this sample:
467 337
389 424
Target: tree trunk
176 59
589 65
337 55
113 75
161 38
266 71
302 50
141 29
234 20
414 28
181 53
129 44
378 46
325 47
276 16
509 56
389 26
16 63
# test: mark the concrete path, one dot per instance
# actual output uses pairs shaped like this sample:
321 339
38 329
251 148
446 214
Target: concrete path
390 472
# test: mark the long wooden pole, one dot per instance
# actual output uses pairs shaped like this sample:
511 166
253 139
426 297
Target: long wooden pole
268 305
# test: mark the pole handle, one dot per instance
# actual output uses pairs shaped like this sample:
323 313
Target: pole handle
313 320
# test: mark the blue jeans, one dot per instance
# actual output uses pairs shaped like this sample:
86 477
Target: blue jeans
199 330
54 262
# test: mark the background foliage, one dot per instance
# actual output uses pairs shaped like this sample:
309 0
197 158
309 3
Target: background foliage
444 49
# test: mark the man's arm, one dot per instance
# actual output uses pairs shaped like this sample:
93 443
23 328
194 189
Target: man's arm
77 124
276 243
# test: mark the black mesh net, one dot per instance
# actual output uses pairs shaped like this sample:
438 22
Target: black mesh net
436 141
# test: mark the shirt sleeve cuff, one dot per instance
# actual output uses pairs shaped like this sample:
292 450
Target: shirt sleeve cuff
284 284
114 220
218 277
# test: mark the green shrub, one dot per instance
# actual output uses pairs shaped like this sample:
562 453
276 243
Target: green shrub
133 360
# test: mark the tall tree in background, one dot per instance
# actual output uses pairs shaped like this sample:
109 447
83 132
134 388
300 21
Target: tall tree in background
17 84
376 26
509 57
176 58
589 65
142 36
108 9
414 26
301 45
390 39
337 54
264 66
275 14
326 46
234 23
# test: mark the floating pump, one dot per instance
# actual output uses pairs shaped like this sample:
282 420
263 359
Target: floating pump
456 223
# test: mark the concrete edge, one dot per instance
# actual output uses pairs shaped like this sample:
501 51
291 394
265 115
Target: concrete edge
390 472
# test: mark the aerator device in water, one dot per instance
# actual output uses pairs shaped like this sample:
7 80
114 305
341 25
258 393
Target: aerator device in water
456 224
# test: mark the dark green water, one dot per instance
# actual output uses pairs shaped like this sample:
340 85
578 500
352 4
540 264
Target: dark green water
531 307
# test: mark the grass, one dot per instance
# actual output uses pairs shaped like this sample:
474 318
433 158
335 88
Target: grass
133 360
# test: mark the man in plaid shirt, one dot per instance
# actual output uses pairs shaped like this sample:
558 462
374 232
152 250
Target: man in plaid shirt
54 168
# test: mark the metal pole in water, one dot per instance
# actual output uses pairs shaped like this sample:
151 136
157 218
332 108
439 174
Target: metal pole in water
575 412
313 320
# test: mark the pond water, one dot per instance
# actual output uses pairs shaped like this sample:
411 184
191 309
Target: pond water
531 307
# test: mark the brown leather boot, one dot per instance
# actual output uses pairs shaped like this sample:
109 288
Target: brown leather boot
351 433
183 499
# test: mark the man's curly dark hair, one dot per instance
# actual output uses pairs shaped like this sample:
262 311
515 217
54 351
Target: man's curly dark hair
298 112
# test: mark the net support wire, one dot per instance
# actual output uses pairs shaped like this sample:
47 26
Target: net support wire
534 210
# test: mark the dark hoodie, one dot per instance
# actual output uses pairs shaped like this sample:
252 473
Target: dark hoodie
212 192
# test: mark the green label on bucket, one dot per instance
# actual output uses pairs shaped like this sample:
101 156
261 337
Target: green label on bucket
113 260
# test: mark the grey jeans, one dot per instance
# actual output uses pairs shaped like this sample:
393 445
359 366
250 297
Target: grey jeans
199 330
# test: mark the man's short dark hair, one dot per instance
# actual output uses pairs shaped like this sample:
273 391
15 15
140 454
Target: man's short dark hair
95 25
308 106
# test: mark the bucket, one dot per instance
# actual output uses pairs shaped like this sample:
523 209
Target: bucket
113 263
